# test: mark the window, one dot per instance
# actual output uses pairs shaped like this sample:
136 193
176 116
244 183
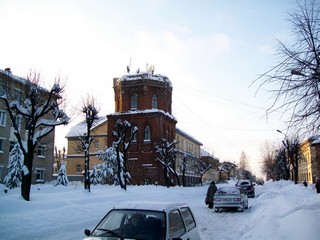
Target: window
1 144
79 148
2 89
96 144
147 133
78 168
12 144
17 95
134 101
17 120
154 101
41 151
176 226
39 175
188 218
3 118
134 139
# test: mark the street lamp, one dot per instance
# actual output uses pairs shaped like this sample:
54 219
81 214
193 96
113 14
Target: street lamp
281 132
298 73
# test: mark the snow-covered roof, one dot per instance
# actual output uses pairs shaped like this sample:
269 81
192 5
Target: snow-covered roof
144 111
179 131
146 75
151 205
80 129
8 73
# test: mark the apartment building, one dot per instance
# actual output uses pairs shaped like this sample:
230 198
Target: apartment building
44 156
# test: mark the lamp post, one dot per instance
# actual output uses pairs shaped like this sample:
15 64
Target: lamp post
298 73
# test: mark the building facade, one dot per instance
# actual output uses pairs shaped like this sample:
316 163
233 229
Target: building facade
309 160
75 156
144 100
213 173
188 151
44 156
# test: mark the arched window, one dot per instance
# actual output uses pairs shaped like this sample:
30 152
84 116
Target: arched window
134 101
147 133
154 101
134 139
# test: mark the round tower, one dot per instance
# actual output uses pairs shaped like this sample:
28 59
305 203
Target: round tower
144 100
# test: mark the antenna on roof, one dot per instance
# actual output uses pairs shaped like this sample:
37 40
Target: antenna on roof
129 66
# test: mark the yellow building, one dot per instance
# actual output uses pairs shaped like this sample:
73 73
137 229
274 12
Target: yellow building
308 163
213 173
75 155
189 147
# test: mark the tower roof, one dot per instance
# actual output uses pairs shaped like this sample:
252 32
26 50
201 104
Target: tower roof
146 75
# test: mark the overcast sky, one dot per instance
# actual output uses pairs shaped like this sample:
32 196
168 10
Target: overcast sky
211 50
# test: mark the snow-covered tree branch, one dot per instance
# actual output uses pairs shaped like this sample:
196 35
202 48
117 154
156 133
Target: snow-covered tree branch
167 152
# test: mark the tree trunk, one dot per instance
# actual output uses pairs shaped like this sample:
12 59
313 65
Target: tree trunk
27 179
26 186
184 177
166 178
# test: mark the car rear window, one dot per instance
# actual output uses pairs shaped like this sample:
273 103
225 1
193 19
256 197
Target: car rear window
176 226
245 183
230 190
188 218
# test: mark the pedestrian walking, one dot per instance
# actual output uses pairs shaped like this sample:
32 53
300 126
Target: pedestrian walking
210 194
318 186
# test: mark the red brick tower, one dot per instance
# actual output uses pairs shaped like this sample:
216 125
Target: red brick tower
144 100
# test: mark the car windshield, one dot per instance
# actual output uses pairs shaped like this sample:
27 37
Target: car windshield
229 190
132 224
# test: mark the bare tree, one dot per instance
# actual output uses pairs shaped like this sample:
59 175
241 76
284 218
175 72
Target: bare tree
42 114
293 155
295 80
201 168
274 162
167 159
91 116
244 167
184 168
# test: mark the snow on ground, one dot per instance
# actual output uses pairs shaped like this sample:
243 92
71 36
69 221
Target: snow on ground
280 210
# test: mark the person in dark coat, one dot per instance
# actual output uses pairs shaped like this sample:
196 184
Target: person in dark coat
318 186
305 183
210 193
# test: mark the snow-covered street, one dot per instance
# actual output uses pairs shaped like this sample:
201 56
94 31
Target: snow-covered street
281 210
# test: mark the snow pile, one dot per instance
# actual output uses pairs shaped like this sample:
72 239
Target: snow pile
281 210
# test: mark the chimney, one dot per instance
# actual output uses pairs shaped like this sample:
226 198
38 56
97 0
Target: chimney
8 70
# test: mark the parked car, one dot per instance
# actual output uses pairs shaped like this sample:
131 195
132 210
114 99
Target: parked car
247 186
147 221
230 197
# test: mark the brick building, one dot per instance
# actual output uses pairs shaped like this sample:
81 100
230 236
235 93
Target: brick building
144 100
